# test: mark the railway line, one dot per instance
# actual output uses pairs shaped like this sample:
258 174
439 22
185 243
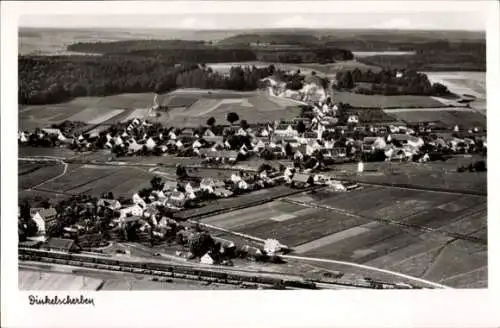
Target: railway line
245 278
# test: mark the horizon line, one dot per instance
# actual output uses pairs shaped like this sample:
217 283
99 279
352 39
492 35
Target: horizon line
248 29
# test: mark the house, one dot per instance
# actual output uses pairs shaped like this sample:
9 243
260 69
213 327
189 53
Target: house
177 199
40 223
298 155
45 215
59 245
22 137
372 143
353 119
301 180
134 210
52 132
264 132
207 259
406 139
227 155
260 145
211 137
241 132
272 246
222 192
150 143
312 146
196 144
311 135
287 130
109 203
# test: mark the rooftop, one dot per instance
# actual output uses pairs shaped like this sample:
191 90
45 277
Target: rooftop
59 243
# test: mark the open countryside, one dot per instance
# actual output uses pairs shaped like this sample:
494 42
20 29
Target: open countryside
175 160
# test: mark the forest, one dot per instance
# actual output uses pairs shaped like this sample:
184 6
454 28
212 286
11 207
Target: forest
432 61
389 82
180 51
55 79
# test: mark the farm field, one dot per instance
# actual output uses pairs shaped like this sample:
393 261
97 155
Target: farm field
46 152
194 107
359 100
363 226
32 174
90 110
94 180
463 117
425 175
234 202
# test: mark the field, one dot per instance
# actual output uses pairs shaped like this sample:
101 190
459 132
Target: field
464 118
95 180
359 100
425 175
31 174
88 179
90 110
188 107
196 106
378 226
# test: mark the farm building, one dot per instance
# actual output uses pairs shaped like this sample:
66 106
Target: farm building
59 245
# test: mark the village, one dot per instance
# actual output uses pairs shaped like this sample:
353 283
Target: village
297 154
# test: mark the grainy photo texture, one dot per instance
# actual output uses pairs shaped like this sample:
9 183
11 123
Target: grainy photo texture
252 151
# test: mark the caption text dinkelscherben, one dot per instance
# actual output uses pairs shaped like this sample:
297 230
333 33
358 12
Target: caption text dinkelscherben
56 300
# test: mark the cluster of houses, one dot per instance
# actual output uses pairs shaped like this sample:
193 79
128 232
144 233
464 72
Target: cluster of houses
298 138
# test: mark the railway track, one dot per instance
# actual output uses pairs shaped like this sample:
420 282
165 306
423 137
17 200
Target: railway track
245 278
218 275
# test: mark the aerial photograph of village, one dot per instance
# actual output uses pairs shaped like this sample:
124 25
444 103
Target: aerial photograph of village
252 151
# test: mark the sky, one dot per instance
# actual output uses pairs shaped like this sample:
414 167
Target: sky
474 21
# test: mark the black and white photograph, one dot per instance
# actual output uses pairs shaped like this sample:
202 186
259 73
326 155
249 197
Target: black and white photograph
307 150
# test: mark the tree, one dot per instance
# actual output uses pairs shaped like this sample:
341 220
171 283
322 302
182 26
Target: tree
181 172
244 124
24 211
232 117
288 149
301 127
200 244
211 121
156 183
31 228
264 167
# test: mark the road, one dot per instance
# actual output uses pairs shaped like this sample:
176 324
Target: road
368 268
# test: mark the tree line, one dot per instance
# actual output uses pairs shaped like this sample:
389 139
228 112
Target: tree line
389 82
45 80
181 51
